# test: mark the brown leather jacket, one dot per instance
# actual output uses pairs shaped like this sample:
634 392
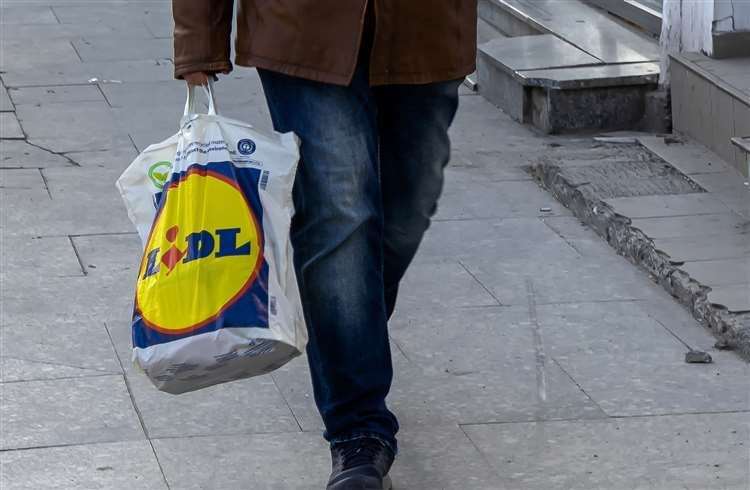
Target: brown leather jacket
415 41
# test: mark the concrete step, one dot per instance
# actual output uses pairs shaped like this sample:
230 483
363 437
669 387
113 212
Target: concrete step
743 153
559 88
569 67
711 103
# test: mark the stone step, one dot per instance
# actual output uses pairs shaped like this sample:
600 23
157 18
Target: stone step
743 148
557 87
569 67
590 29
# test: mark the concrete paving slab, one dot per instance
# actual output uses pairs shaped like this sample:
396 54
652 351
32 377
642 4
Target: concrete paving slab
83 123
678 321
469 199
20 154
157 120
447 379
38 350
460 335
67 411
143 138
64 32
441 283
65 94
703 247
662 206
245 461
67 215
56 299
487 165
83 12
570 228
630 365
89 142
5 103
561 280
441 458
110 257
167 95
21 54
444 458
498 240
424 399
479 126
689 157
104 48
719 272
293 381
692 225
15 182
80 73
115 160
196 413
668 453
159 24
28 256
724 183
734 298
85 183
27 14
9 127
116 466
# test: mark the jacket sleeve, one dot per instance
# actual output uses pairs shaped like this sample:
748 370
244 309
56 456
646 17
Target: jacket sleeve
202 34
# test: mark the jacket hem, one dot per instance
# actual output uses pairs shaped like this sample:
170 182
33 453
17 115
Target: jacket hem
292 70
207 66
390 78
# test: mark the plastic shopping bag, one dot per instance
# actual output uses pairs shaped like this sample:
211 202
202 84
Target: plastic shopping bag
216 295
142 182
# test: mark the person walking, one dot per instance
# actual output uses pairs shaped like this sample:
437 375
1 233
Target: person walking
370 87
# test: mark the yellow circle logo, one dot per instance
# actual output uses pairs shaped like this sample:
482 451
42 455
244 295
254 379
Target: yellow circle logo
204 252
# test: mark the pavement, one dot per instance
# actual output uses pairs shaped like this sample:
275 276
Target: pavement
671 206
528 354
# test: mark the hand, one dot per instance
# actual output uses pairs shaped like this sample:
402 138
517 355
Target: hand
196 78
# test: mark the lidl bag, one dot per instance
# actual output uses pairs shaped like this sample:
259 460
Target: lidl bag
216 294
142 182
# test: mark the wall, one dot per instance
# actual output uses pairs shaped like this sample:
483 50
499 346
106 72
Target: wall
686 27
731 15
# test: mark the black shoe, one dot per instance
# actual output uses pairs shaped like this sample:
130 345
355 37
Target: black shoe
360 464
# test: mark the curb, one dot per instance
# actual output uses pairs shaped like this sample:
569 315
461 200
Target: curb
632 243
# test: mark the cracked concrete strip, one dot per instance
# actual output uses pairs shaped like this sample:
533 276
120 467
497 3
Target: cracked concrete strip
19 154
610 219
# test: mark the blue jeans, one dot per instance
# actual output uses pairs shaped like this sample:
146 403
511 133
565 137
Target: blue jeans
370 175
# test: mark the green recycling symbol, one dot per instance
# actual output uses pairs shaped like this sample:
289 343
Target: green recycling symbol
159 173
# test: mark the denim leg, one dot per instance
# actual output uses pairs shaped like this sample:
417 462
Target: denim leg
337 234
413 122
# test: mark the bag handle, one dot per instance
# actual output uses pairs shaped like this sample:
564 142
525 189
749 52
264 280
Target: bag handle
209 91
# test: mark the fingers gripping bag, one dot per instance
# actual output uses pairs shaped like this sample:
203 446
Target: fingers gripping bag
216 295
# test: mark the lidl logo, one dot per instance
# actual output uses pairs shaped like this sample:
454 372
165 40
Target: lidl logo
158 173
205 250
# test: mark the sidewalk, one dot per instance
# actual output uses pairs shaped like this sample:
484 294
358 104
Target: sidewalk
528 354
